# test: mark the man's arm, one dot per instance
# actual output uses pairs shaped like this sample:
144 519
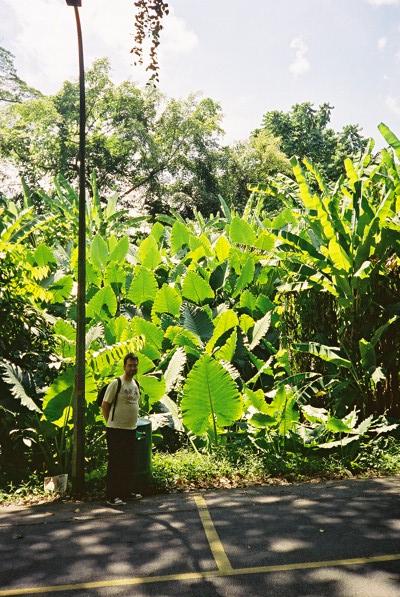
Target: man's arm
139 392
109 398
105 409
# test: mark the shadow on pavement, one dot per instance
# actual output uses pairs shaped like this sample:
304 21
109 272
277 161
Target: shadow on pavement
53 544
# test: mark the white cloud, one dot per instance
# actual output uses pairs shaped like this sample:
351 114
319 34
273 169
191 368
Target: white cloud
176 38
300 64
41 34
383 2
381 43
393 103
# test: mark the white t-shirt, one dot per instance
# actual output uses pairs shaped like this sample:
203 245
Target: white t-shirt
127 408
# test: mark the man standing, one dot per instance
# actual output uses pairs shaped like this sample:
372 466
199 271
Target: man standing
120 410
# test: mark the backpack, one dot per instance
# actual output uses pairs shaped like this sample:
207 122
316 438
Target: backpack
101 393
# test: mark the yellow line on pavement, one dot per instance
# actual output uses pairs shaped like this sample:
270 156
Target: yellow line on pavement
141 580
393 557
217 549
117 582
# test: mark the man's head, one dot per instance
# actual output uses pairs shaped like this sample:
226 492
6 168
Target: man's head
130 365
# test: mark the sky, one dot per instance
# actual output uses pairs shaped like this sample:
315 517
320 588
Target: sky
250 55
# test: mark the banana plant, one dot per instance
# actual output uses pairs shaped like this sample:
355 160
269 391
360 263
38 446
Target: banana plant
342 246
103 215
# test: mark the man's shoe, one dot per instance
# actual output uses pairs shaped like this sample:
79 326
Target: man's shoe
135 496
116 502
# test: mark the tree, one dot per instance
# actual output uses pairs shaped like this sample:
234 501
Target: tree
12 88
304 132
249 163
138 142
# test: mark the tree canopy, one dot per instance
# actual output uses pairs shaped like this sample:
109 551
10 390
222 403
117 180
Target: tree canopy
12 88
304 132
157 153
164 152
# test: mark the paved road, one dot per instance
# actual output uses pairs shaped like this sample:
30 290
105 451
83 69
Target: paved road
337 539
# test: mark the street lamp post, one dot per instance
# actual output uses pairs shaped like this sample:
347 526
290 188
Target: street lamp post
78 449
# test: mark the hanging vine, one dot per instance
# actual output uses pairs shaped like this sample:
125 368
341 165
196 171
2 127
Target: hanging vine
148 24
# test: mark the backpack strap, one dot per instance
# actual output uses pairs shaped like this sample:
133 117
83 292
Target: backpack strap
116 396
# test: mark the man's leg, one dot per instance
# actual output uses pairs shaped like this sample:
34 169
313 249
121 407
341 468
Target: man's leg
115 459
127 462
132 460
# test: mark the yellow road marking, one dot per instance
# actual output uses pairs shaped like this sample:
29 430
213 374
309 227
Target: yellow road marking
393 557
141 580
215 543
118 582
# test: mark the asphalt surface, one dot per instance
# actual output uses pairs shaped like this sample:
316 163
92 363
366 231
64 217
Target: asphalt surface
290 541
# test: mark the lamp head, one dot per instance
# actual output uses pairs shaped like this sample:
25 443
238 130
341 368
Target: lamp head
74 2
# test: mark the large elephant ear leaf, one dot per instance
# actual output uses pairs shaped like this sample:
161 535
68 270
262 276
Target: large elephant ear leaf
144 286
210 397
157 231
148 253
241 232
227 351
222 248
173 373
197 321
117 330
59 395
12 376
152 387
152 333
246 276
99 252
261 327
61 289
167 300
180 336
145 364
65 333
223 322
196 289
43 256
180 236
104 302
119 250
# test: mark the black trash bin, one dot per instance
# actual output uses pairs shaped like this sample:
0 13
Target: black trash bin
142 468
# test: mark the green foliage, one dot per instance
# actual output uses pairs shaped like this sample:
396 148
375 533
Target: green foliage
165 151
196 289
281 330
12 88
167 300
12 377
143 287
237 465
344 250
210 398
304 132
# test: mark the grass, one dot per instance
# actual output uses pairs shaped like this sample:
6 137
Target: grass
187 470
237 466
29 491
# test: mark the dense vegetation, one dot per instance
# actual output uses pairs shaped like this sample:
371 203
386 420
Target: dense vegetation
156 153
268 322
